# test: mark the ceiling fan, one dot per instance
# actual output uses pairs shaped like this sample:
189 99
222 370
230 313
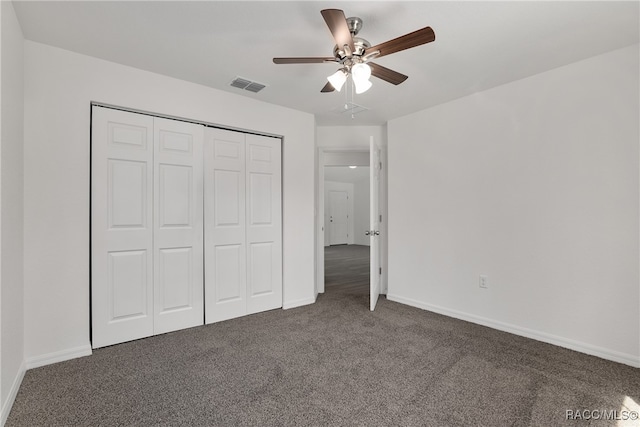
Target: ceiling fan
355 53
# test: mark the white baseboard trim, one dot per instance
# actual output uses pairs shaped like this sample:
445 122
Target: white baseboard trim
298 303
11 397
58 356
603 353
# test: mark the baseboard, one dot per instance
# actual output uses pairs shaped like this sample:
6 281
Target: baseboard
298 303
58 356
603 353
11 397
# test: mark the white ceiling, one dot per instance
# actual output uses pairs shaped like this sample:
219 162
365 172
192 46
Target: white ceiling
478 45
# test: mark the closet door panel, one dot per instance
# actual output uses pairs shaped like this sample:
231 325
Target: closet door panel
121 226
225 233
228 273
178 230
264 223
127 284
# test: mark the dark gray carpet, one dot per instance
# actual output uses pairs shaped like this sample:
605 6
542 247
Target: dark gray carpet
331 363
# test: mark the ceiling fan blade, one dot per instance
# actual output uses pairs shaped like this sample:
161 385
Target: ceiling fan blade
327 88
303 60
416 38
386 74
337 23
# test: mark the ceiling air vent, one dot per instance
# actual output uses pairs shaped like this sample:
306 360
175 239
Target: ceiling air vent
245 84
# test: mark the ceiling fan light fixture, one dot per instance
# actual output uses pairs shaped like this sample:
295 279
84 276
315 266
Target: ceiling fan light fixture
337 79
361 72
362 85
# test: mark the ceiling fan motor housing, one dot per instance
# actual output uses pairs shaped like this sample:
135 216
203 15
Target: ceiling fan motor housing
359 45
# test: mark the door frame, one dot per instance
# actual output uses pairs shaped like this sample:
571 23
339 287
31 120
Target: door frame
320 155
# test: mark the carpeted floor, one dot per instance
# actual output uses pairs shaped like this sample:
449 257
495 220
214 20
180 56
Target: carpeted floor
328 364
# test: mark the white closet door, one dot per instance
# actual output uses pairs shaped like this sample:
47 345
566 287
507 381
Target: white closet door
225 231
178 225
264 223
122 226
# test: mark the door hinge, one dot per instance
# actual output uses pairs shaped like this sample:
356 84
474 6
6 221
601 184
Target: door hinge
380 218
380 270
380 165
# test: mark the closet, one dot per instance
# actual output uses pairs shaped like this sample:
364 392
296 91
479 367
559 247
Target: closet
243 264
150 179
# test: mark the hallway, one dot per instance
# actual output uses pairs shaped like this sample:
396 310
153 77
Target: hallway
346 269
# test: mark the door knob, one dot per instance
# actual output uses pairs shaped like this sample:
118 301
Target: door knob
377 233
367 233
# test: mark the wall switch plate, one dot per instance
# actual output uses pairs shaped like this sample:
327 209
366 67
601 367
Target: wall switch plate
484 282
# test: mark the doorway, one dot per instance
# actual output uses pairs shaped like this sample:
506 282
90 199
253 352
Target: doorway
346 244
334 160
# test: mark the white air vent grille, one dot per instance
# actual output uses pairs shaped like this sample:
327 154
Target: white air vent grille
255 87
349 108
242 83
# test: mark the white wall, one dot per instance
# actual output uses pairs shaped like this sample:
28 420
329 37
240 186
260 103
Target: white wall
11 211
59 86
347 158
338 186
339 137
534 184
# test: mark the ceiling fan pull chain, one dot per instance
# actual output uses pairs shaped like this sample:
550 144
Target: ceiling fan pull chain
346 97
353 116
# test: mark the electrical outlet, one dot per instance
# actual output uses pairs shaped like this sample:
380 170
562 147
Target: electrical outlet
484 282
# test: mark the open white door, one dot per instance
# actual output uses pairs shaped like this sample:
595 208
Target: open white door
374 228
